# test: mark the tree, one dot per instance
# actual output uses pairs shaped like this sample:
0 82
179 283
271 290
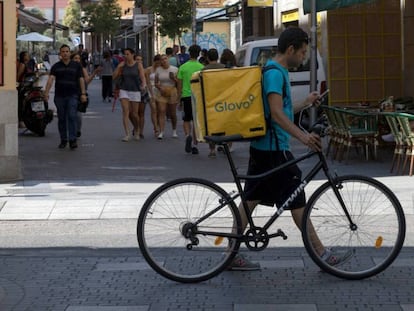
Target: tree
72 17
174 16
103 18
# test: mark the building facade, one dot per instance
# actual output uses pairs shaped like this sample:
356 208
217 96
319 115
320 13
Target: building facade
9 152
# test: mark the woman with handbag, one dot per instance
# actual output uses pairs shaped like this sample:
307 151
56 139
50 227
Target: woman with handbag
166 95
132 83
88 78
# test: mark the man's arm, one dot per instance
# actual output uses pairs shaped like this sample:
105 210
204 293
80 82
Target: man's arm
276 111
49 83
310 99
179 88
83 89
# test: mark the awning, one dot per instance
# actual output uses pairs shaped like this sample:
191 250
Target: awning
325 5
36 23
232 10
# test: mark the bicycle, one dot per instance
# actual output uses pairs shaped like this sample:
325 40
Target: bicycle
194 219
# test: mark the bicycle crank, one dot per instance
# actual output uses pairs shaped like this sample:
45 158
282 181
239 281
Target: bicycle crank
257 239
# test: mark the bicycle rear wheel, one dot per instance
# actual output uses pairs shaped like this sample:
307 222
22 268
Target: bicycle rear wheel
168 230
372 243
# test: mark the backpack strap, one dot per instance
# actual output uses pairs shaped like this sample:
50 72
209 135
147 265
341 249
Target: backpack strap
270 67
268 117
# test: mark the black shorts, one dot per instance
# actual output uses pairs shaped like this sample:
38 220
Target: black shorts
277 188
187 108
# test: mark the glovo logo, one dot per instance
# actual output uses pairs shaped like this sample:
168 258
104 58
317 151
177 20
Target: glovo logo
225 106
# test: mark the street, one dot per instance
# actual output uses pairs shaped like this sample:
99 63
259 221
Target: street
68 230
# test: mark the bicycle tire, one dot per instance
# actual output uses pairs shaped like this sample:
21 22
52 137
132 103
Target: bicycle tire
160 230
377 238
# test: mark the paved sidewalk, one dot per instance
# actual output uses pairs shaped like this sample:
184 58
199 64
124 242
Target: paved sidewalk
82 279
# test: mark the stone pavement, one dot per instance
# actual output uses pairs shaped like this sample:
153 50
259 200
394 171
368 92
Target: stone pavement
68 231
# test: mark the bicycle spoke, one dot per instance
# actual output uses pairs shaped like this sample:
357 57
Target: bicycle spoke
379 226
173 210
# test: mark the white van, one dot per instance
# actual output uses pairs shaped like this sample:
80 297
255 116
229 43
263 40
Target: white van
259 51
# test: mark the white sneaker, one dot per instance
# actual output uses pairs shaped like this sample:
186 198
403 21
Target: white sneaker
160 135
126 138
175 134
136 136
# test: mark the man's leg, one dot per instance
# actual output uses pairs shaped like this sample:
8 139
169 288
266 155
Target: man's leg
297 215
72 112
240 262
251 205
61 113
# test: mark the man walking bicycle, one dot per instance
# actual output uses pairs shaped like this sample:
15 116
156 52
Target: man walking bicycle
273 149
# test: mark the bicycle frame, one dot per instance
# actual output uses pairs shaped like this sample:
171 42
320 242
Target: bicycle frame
320 165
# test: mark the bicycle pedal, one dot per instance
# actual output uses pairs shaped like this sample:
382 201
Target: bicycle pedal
281 234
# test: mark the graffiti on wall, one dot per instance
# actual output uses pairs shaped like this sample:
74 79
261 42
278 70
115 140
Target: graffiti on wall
207 40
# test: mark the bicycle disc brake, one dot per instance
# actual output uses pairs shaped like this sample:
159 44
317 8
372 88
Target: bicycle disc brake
257 239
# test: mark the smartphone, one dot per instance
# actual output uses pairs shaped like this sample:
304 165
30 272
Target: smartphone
323 95
171 75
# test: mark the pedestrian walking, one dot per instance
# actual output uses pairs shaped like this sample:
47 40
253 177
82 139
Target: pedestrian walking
183 57
184 90
144 99
107 69
228 58
76 57
212 63
166 95
69 83
132 82
22 70
150 77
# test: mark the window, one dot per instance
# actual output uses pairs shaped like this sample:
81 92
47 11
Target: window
261 55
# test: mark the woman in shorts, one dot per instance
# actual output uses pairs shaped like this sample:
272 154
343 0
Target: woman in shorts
132 83
166 95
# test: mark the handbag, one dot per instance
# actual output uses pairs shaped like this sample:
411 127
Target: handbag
83 106
146 99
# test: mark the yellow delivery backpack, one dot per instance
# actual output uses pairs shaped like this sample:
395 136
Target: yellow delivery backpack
228 102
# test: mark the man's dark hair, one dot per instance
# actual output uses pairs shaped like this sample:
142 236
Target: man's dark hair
194 51
129 50
169 51
64 46
294 36
212 55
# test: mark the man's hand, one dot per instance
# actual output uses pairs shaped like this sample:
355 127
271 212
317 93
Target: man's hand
312 99
83 98
313 141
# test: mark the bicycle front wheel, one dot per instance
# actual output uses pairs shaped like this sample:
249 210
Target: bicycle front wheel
182 230
367 231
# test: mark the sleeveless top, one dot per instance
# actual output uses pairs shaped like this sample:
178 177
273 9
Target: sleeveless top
152 77
130 78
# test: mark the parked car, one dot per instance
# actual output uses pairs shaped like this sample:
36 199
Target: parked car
257 52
